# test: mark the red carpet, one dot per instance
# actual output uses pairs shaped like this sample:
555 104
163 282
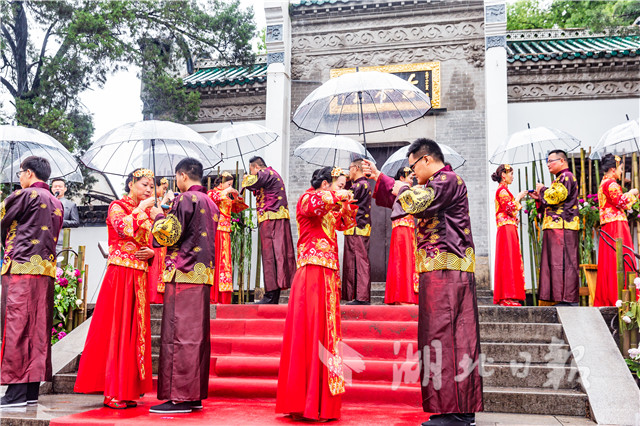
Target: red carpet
246 340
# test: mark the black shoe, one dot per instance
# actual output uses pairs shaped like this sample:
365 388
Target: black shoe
454 419
33 391
270 298
196 405
358 302
170 407
16 396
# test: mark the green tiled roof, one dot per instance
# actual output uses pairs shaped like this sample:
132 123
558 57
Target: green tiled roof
227 76
317 2
572 48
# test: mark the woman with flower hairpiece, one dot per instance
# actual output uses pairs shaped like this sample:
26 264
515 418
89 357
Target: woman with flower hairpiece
402 276
226 197
116 359
310 378
509 269
154 274
613 221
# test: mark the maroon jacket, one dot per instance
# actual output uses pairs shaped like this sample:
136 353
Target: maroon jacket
560 203
31 223
271 197
361 189
444 239
189 232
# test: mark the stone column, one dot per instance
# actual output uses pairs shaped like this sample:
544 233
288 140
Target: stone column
496 125
278 114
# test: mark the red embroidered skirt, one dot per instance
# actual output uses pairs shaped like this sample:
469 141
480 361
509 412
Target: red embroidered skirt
222 290
509 270
402 278
303 379
27 317
154 275
607 283
117 353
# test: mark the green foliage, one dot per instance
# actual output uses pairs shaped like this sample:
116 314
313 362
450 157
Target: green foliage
594 15
165 98
67 281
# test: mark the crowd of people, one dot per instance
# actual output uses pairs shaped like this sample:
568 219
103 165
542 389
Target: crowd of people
174 249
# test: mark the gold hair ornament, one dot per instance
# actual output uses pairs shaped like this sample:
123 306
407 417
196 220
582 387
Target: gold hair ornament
226 174
143 173
163 181
507 168
337 172
618 159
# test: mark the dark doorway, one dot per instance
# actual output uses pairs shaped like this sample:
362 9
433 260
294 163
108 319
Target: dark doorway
380 220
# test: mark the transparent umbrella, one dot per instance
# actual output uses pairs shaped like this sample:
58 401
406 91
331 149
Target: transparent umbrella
361 102
17 143
399 159
621 139
238 139
328 150
152 144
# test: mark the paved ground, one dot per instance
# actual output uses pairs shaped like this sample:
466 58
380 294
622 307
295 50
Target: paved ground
235 412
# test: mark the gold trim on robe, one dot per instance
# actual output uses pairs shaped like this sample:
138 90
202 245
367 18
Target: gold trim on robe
282 213
35 266
444 260
167 231
364 232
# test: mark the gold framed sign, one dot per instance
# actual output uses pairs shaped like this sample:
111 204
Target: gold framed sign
425 75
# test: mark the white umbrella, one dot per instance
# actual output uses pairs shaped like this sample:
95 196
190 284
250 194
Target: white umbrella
17 143
399 159
328 150
532 144
361 102
152 144
238 139
621 139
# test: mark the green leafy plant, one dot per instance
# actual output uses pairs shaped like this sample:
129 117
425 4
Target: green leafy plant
66 284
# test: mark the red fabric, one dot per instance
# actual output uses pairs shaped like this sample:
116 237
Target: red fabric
154 276
401 272
509 270
607 283
303 385
223 269
109 361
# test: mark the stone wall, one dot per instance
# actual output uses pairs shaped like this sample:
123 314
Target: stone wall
373 33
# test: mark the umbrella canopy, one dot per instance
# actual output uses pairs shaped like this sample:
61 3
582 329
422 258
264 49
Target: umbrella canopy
152 144
533 144
399 159
361 102
238 139
17 143
327 150
621 139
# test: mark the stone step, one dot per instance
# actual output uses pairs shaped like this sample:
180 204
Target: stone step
64 382
542 377
561 402
533 353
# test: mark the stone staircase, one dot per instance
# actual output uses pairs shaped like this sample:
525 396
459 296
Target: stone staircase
528 367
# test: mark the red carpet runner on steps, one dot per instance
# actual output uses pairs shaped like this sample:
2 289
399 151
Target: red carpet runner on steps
380 353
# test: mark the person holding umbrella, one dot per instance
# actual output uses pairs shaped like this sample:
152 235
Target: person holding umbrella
559 279
613 221
31 221
448 328
278 257
228 201
116 359
356 267
509 271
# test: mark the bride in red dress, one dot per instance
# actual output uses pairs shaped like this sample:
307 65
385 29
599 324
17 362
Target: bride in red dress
613 220
117 354
226 197
509 270
310 379
402 277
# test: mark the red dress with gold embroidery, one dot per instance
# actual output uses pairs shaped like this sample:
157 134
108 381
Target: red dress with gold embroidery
310 378
402 276
613 221
116 358
222 290
509 270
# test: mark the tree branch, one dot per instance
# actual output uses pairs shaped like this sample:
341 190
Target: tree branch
36 79
8 85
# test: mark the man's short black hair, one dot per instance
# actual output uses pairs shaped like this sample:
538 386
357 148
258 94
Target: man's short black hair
192 168
38 165
425 146
58 179
560 153
357 161
258 160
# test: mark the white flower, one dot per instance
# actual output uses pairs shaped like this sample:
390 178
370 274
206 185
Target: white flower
634 352
78 302
619 302
636 281
626 319
59 297
585 204
629 211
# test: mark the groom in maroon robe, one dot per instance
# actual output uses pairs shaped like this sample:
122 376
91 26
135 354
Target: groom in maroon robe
278 256
188 231
448 331
31 222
